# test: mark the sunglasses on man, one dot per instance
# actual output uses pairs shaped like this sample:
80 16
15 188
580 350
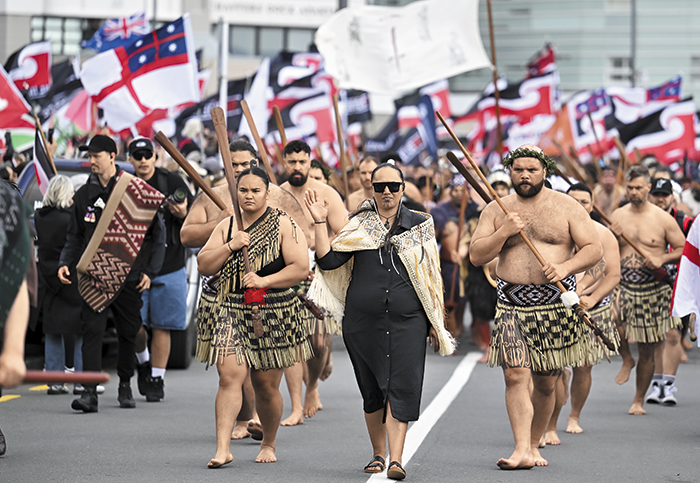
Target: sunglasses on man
142 155
394 186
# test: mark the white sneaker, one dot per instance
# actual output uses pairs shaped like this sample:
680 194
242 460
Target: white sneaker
657 393
669 391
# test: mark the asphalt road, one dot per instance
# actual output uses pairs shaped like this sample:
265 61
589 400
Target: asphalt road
173 440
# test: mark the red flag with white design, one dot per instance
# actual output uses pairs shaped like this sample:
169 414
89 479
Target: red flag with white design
30 68
14 110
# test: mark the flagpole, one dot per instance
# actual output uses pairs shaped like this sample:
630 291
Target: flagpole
46 145
223 66
341 147
496 94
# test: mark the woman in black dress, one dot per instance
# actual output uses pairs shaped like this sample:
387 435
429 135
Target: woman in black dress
59 304
392 303
278 260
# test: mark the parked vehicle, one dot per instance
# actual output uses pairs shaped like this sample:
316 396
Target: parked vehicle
183 342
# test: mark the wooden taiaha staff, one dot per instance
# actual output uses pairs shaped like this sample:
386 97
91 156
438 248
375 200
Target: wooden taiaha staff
280 125
460 228
65 377
258 141
462 169
341 147
197 179
471 179
187 167
218 117
283 137
496 94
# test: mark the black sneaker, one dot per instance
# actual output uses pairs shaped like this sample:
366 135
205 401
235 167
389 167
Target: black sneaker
125 398
155 391
144 372
87 402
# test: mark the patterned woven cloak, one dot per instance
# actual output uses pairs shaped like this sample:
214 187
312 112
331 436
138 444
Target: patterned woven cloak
117 240
418 252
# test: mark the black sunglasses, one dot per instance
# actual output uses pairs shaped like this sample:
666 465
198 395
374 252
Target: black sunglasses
142 155
394 186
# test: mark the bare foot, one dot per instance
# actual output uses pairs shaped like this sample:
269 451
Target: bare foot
542 442
219 460
312 403
326 372
551 437
484 359
573 426
517 461
266 455
637 409
537 458
294 419
240 430
624 374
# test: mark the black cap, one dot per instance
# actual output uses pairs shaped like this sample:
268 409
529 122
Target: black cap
100 143
141 144
661 186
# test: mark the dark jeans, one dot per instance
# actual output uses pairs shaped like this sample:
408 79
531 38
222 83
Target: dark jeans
127 318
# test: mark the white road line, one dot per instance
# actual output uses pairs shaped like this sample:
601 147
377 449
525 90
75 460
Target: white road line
420 429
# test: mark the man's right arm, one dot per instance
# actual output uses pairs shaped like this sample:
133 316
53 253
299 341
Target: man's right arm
196 229
488 241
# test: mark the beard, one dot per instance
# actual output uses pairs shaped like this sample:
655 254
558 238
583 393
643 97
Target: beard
297 179
533 191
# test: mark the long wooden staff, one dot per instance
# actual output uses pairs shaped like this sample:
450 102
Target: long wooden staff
460 229
471 179
496 93
341 147
603 216
283 137
197 179
218 117
280 125
461 168
187 167
258 141
63 377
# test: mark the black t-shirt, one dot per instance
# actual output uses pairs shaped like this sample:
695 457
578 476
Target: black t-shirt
167 182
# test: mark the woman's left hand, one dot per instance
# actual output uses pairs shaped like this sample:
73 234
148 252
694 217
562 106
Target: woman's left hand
252 280
433 338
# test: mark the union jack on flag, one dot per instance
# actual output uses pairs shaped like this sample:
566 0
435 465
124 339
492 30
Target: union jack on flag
155 71
116 32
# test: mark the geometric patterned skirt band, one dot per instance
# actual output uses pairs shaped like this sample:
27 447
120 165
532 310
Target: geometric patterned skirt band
636 275
531 295
604 302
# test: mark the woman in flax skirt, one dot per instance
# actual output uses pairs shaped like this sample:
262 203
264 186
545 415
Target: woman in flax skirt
278 261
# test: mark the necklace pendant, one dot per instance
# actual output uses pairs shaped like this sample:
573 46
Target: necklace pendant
387 224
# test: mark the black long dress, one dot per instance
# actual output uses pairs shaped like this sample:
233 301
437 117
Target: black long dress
384 327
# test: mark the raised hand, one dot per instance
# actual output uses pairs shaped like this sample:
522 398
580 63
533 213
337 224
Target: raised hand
317 207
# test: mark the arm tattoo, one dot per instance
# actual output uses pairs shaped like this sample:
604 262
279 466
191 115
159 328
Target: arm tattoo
597 270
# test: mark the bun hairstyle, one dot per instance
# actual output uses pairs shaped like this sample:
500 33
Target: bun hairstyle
388 164
255 171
